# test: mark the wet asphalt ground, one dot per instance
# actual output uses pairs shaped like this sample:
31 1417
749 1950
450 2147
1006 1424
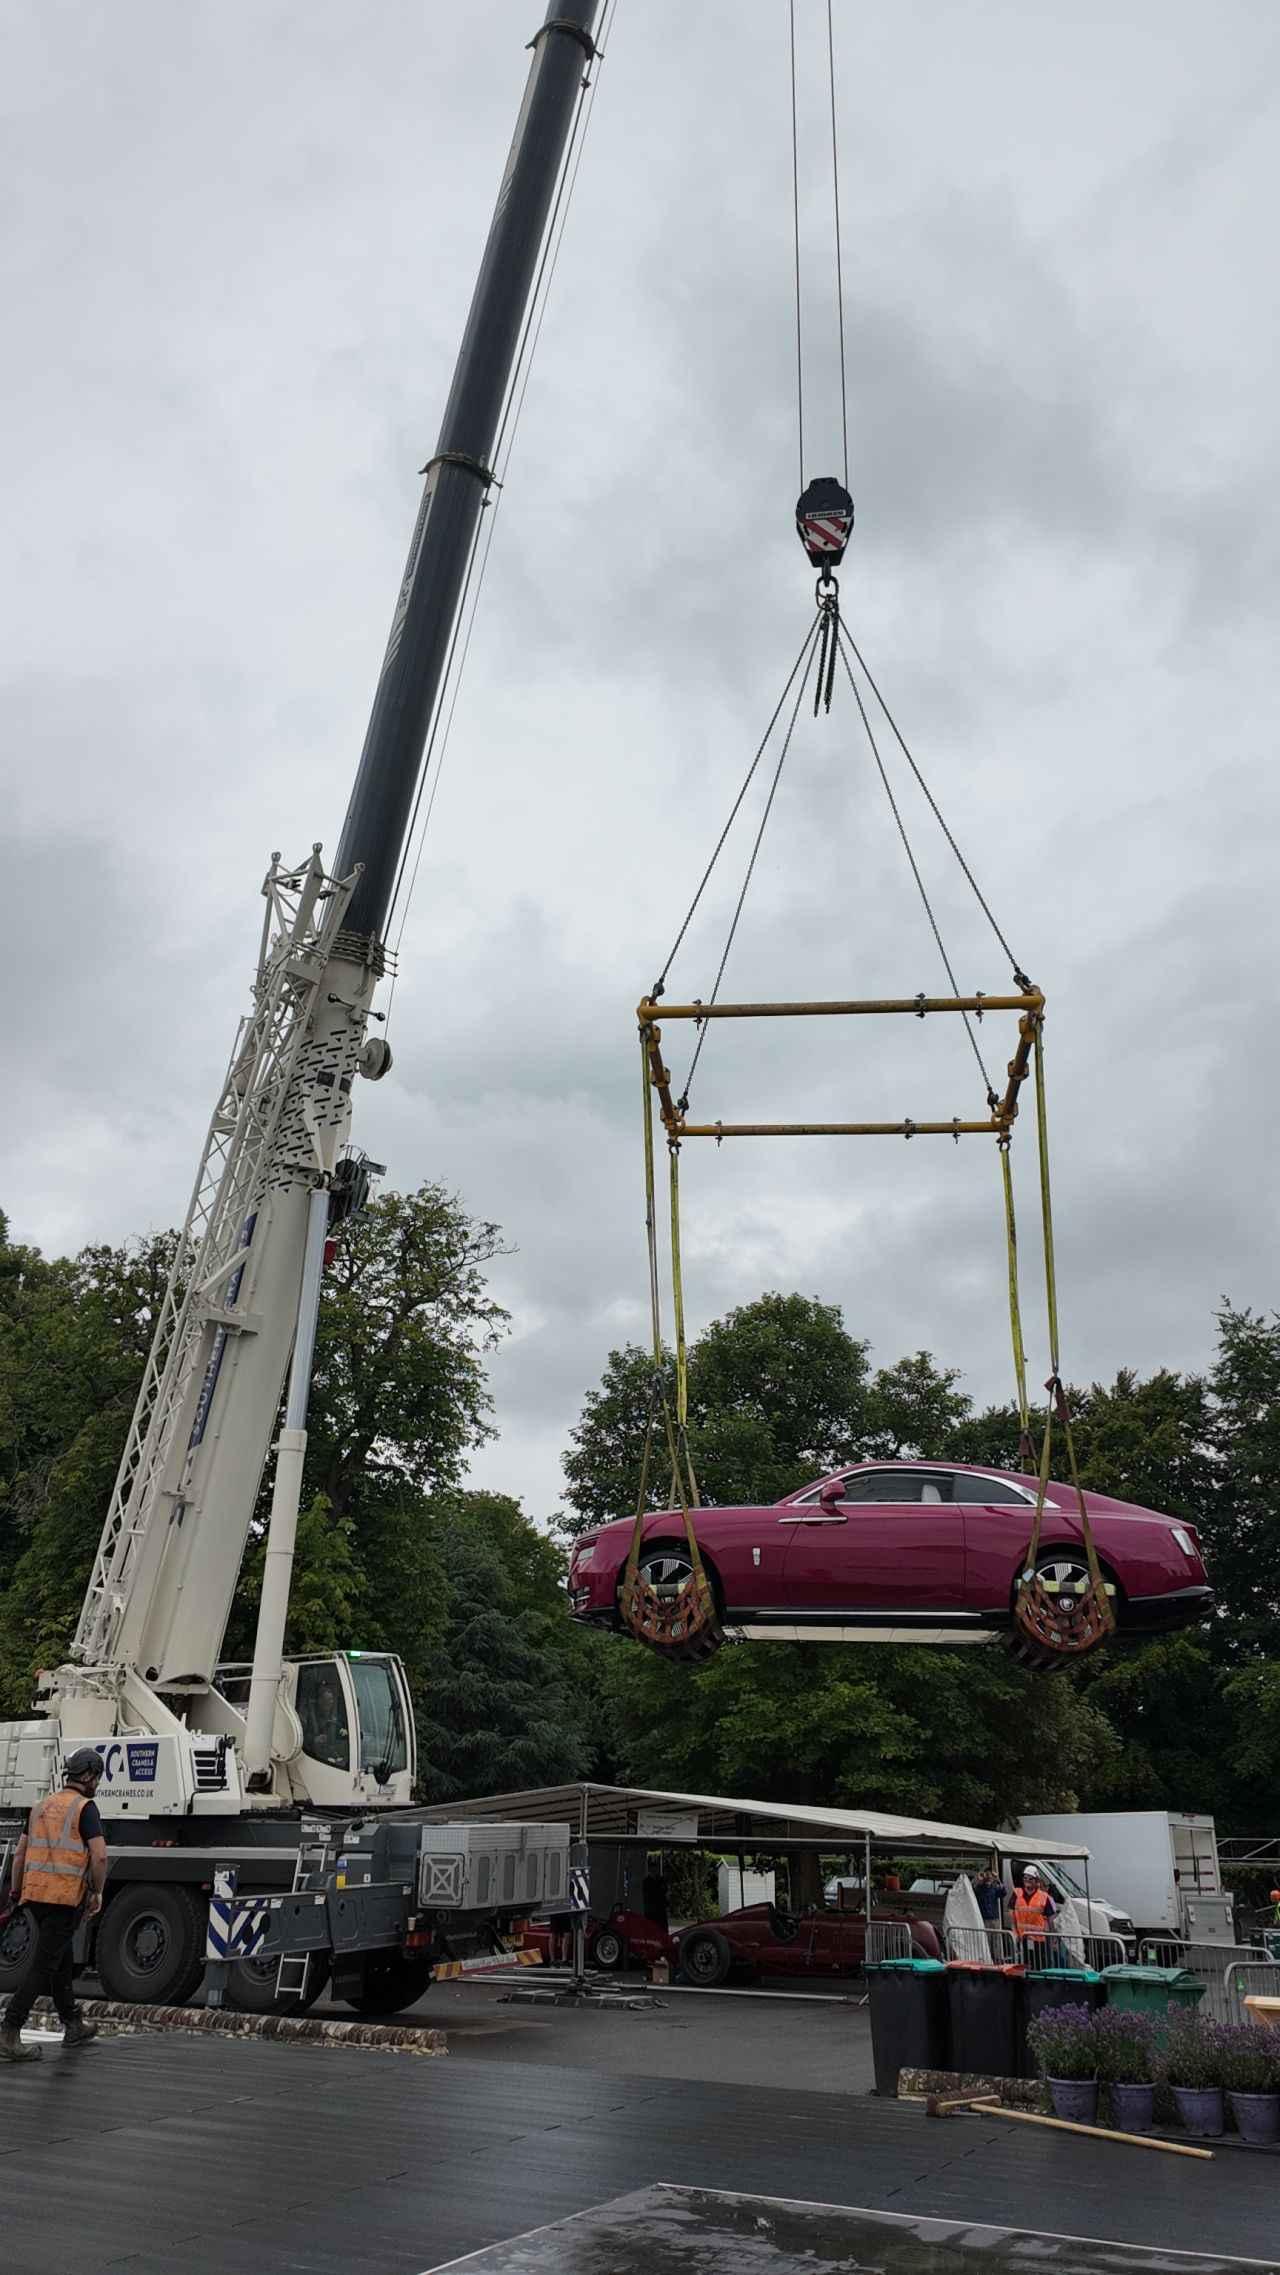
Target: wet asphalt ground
709 2137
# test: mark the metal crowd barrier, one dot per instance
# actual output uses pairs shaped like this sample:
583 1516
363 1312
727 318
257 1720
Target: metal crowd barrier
1249 1978
981 1946
887 1939
1217 1965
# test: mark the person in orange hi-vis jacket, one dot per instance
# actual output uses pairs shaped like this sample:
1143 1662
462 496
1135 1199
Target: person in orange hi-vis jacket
59 1871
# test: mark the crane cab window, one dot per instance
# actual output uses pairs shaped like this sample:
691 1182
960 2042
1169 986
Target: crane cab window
383 1744
322 1712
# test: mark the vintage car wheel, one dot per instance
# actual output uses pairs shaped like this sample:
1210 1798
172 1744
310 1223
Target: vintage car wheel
705 1958
609 1950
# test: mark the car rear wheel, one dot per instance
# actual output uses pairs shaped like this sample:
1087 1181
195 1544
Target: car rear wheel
609 1950
705 1958
1064 1574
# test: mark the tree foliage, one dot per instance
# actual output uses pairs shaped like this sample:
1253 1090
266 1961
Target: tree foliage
395 1553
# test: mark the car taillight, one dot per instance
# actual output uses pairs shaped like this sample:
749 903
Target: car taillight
1186 1542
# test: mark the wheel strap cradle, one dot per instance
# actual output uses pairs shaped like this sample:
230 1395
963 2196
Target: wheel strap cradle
1051 1628
681 1622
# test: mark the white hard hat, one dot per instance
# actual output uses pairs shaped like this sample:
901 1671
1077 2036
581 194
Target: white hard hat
1030 1872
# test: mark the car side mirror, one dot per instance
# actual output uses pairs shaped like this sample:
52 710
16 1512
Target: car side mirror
832 1494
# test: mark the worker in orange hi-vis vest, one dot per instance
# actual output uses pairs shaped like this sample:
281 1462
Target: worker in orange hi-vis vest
1033 1908
59 1871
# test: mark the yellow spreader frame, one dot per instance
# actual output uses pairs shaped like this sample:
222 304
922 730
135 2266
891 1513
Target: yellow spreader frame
685 1622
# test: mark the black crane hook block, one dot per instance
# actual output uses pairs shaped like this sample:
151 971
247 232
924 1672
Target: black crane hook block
824 521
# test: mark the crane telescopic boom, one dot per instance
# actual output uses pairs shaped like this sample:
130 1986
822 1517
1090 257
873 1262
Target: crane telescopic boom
245 1283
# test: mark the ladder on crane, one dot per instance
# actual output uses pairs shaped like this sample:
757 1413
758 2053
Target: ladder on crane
304 915
293 1975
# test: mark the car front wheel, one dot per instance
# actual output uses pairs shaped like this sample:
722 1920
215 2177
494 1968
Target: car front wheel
705 1958
609 1950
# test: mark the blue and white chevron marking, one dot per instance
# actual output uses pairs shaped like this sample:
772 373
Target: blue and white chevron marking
235 1929
579 1889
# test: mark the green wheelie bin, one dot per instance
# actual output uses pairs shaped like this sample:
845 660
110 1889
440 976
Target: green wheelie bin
1152 1990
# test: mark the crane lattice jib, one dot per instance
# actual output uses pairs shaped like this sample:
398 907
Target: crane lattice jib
304 915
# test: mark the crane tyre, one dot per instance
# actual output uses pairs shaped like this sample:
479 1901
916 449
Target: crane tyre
392 1981
251 1987
150 1947
17 1942
705 1957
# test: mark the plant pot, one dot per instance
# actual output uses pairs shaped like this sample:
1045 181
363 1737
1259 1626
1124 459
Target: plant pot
1257 2117
1133 2108
1200 2109
1076 2099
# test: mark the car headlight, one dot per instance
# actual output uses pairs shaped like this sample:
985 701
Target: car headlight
1123 1927
582 1559
1184 1540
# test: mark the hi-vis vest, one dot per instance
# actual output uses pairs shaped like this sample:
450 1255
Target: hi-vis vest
1029 1913
57 1860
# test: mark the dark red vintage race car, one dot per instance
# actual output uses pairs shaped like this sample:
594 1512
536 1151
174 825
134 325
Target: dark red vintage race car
903 1552
623 1939
763 1940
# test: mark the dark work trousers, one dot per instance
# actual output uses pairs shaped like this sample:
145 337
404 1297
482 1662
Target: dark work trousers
50 1968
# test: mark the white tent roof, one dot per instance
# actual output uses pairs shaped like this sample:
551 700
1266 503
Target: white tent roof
611 1812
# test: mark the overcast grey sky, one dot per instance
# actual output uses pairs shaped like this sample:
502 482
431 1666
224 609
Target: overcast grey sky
238 248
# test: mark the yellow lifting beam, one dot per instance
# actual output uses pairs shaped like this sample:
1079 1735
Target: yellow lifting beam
683 1620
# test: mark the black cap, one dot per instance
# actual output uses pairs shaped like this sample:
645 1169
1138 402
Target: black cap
86 1761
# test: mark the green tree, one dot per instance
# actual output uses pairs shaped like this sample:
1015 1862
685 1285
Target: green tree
961 1735
787 1365
399 1395
1242 1528
74 1335
914 1410
501 1701
603 1464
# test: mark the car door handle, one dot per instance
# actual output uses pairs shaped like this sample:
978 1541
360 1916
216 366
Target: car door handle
825 1519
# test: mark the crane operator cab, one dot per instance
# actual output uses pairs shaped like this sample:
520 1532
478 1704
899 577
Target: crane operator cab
343 1730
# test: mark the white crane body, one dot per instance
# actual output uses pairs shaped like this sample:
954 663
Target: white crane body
202 1760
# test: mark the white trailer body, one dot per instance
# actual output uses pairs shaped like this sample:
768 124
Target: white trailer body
1159 1867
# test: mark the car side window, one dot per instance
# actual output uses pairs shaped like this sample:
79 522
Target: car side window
908 1485
988 1489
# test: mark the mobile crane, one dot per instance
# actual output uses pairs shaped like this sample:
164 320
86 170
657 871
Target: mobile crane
206 1764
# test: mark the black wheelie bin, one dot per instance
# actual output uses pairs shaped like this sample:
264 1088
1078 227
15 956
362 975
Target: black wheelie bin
908 2018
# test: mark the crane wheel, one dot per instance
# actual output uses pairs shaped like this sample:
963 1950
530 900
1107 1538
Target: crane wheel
17 1942
150 1947
392 1981
251 1987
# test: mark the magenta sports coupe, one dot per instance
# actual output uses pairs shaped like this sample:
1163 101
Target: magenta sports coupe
902 1552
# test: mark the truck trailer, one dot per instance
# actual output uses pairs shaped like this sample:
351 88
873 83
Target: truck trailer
1161 1866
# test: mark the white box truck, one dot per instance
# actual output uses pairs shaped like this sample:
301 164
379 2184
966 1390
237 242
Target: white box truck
1158 1866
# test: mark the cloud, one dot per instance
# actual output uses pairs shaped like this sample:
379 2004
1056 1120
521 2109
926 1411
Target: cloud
243 258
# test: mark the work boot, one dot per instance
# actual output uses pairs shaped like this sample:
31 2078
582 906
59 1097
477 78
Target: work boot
78 2033
13 2050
